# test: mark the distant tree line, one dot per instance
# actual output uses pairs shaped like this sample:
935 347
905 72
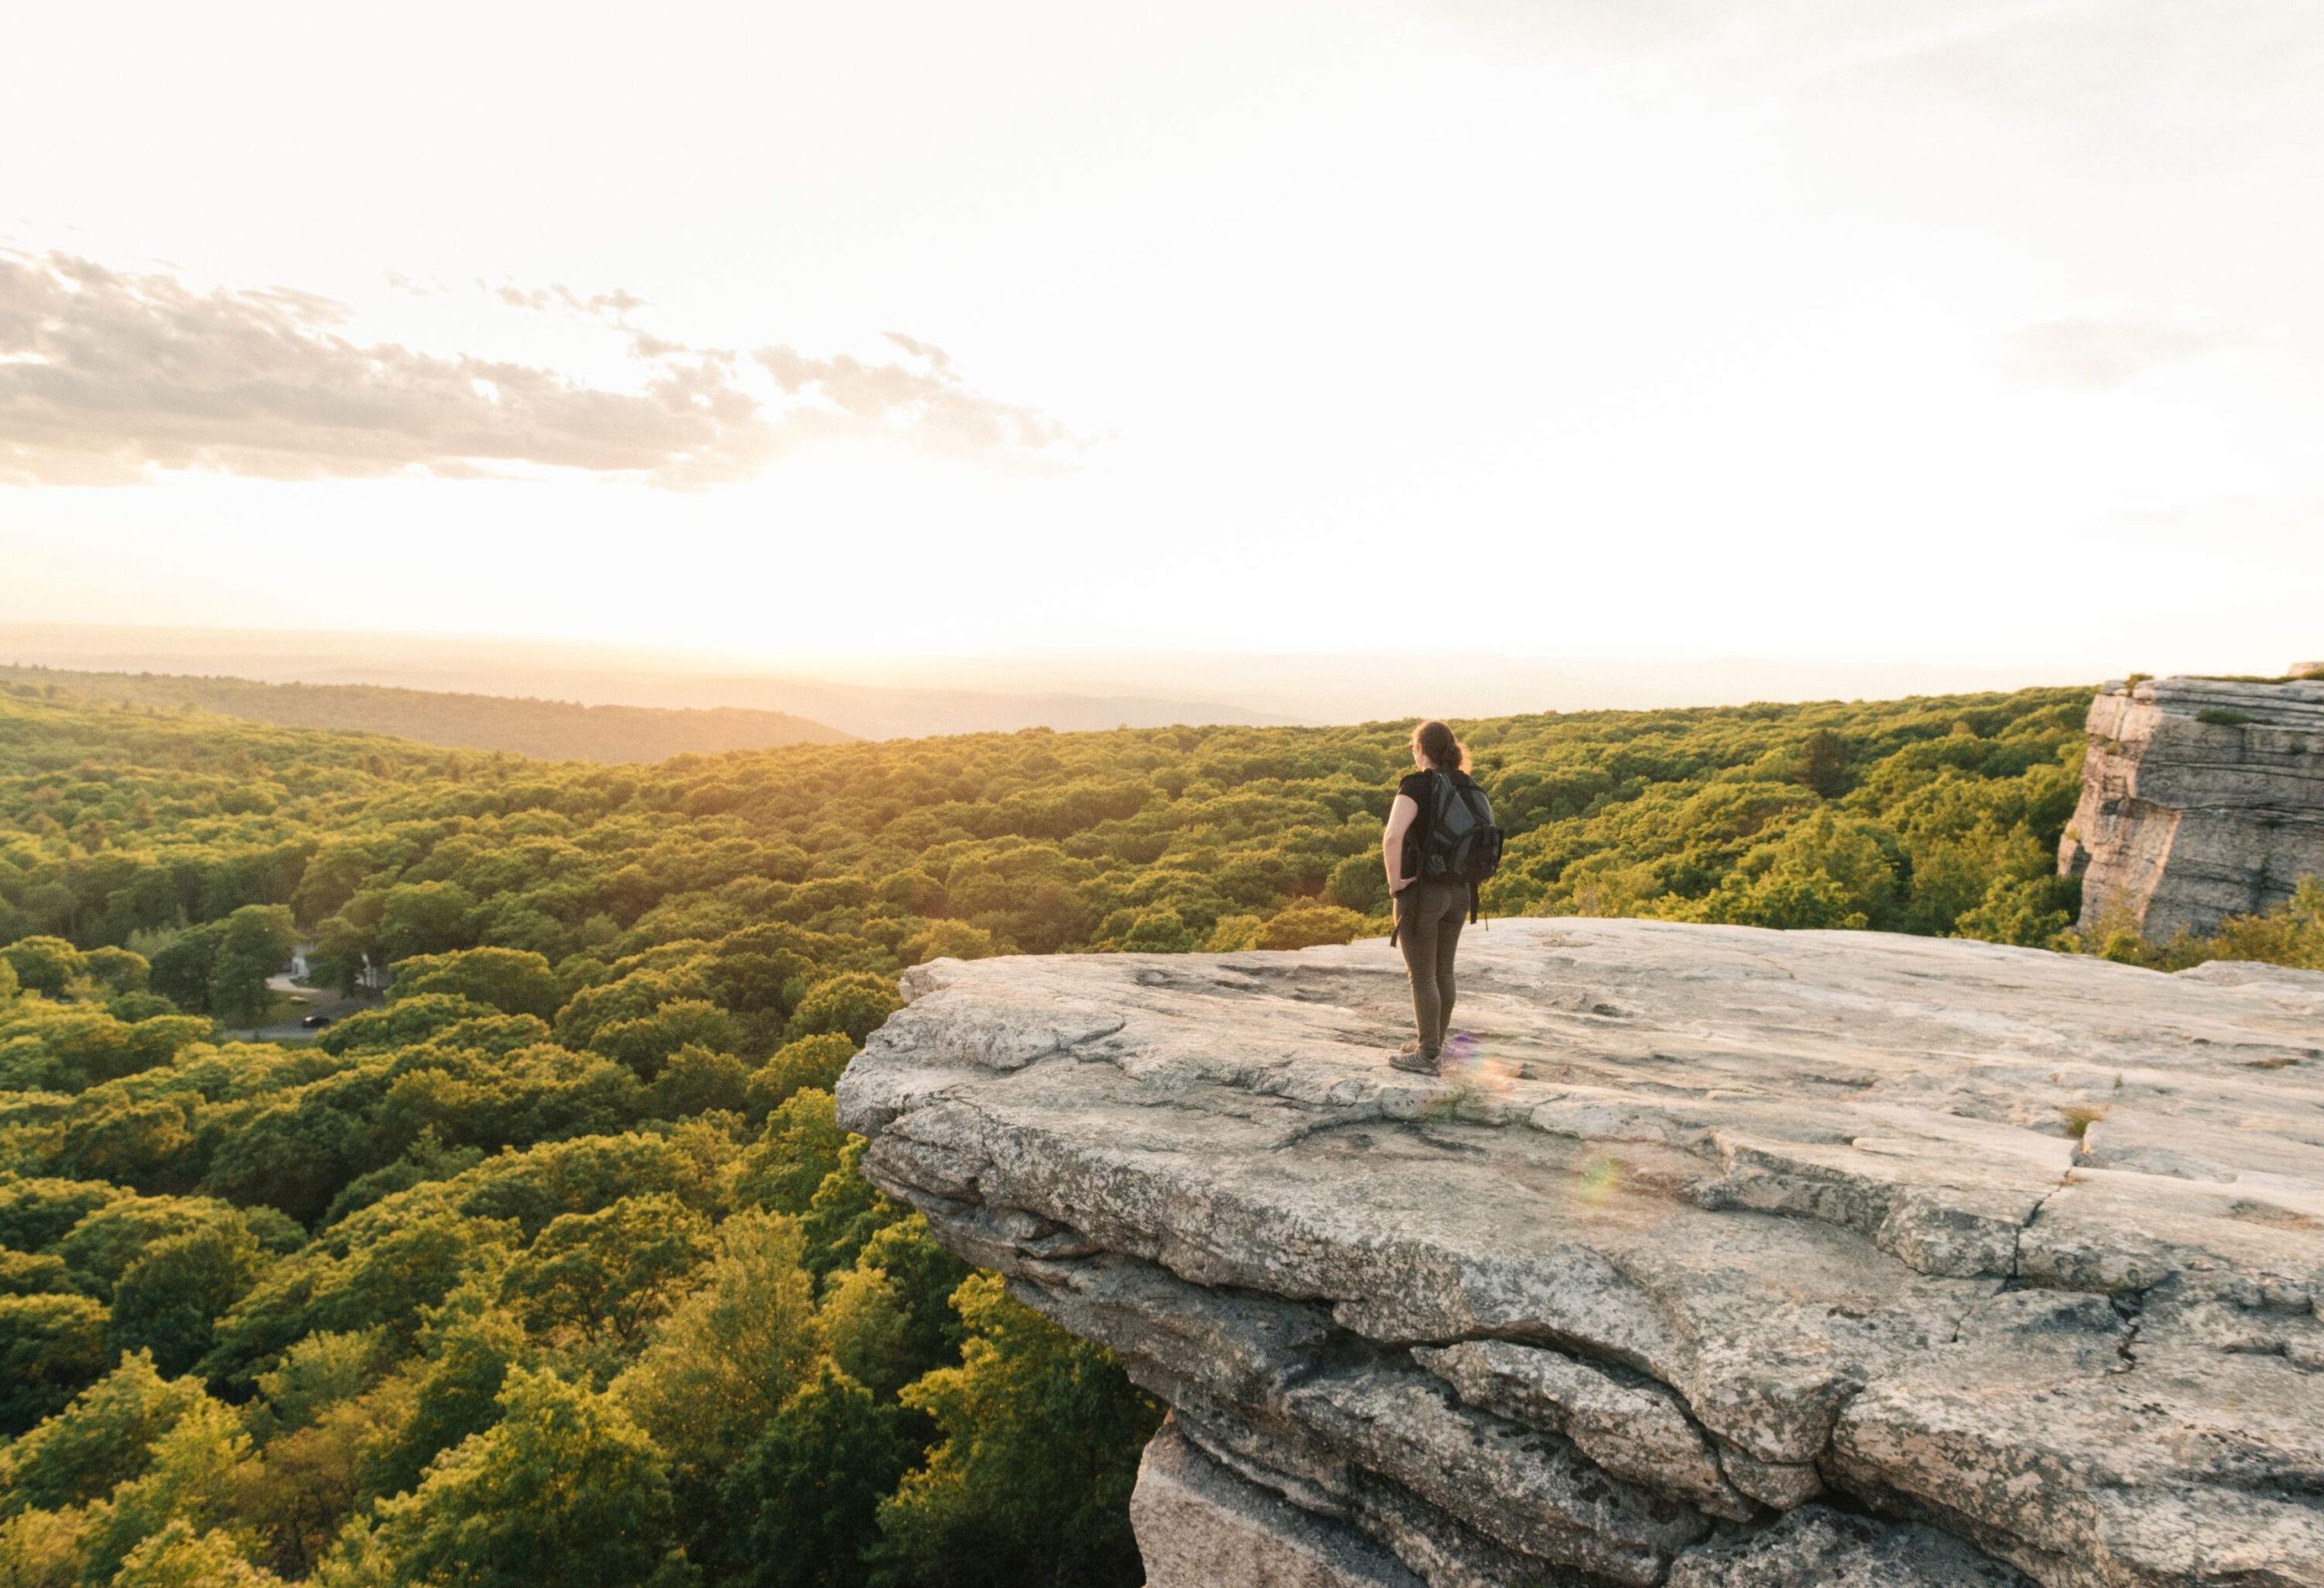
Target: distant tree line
556 729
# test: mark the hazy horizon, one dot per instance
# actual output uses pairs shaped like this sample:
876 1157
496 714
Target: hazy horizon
962 694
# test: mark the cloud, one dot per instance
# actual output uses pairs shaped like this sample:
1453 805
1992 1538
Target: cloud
557 295
107 378
924 398
2092 354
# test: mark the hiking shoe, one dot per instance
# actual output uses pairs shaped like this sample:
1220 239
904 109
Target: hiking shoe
1409 1059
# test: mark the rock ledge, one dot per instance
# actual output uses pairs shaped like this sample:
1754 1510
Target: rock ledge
1723 1257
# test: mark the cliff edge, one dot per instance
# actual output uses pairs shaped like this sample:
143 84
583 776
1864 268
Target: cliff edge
2201 798
1724 1258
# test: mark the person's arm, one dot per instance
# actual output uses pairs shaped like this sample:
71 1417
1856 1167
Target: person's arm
1401 816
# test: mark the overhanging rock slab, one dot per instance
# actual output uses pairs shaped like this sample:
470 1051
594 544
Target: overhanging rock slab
1718 1256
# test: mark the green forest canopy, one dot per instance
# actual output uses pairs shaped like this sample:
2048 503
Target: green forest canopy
555 1267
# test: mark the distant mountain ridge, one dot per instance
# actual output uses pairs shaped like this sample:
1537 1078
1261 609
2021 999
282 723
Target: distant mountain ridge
919 696
614 677
559 730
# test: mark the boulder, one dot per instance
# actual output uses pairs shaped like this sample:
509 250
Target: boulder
1716 1256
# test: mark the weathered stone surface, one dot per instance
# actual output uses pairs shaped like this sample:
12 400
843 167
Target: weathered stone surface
1200 1526
2016 1255
1829 1549
2201 798
1627 1424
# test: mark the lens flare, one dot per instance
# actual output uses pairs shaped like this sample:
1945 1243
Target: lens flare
1465 1062
1600 1177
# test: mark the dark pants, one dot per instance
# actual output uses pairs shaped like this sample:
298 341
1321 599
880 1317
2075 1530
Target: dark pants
1428 928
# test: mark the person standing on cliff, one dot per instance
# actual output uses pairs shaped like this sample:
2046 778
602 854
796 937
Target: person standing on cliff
1440 846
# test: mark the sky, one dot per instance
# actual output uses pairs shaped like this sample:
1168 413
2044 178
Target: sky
1964 334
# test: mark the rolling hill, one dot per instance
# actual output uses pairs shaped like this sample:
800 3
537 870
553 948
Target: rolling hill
556 730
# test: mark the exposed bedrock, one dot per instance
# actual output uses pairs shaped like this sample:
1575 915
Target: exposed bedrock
1726 1257
2201 798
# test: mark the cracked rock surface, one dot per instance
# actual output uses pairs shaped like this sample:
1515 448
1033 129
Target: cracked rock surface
1719 1256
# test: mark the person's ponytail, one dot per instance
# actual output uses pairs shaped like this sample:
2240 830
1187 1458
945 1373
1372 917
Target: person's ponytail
1434 743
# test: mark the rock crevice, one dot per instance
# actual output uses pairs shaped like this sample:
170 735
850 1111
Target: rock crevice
1721 1257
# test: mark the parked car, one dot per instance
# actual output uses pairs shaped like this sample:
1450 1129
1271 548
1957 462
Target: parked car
315 1021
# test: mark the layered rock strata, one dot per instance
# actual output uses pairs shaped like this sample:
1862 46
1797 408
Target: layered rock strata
1719 1257
2201 798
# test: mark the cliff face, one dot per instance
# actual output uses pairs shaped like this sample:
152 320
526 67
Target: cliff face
2201 799
1727 1258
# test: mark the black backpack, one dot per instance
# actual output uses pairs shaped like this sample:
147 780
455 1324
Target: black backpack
1459 842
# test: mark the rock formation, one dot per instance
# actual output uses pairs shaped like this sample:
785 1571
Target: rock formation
1721 1257
2201 798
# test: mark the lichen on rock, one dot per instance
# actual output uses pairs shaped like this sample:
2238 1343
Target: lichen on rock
1721 1258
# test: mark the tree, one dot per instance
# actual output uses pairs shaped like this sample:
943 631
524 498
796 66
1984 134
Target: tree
1358 883
948 940
425 918
677 933
1824 763
32 1274
179 1557
811 1486
619 1269
697 1080
117 969
170 1299
200 1474
2291 934
293 1155
133 1007
1822 873
853 1005
799 1146
105 1243
889 1319
565 1489
101 1440
410 1021
2025 911
1031 1482
846 1212
347 944
37 1213
317 1372
454 1391
49 966
256 943
734 1350
509 980
1306 925
50 1346
1147 932
312 1476
811 1063
182 970
44 1549
645 1042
